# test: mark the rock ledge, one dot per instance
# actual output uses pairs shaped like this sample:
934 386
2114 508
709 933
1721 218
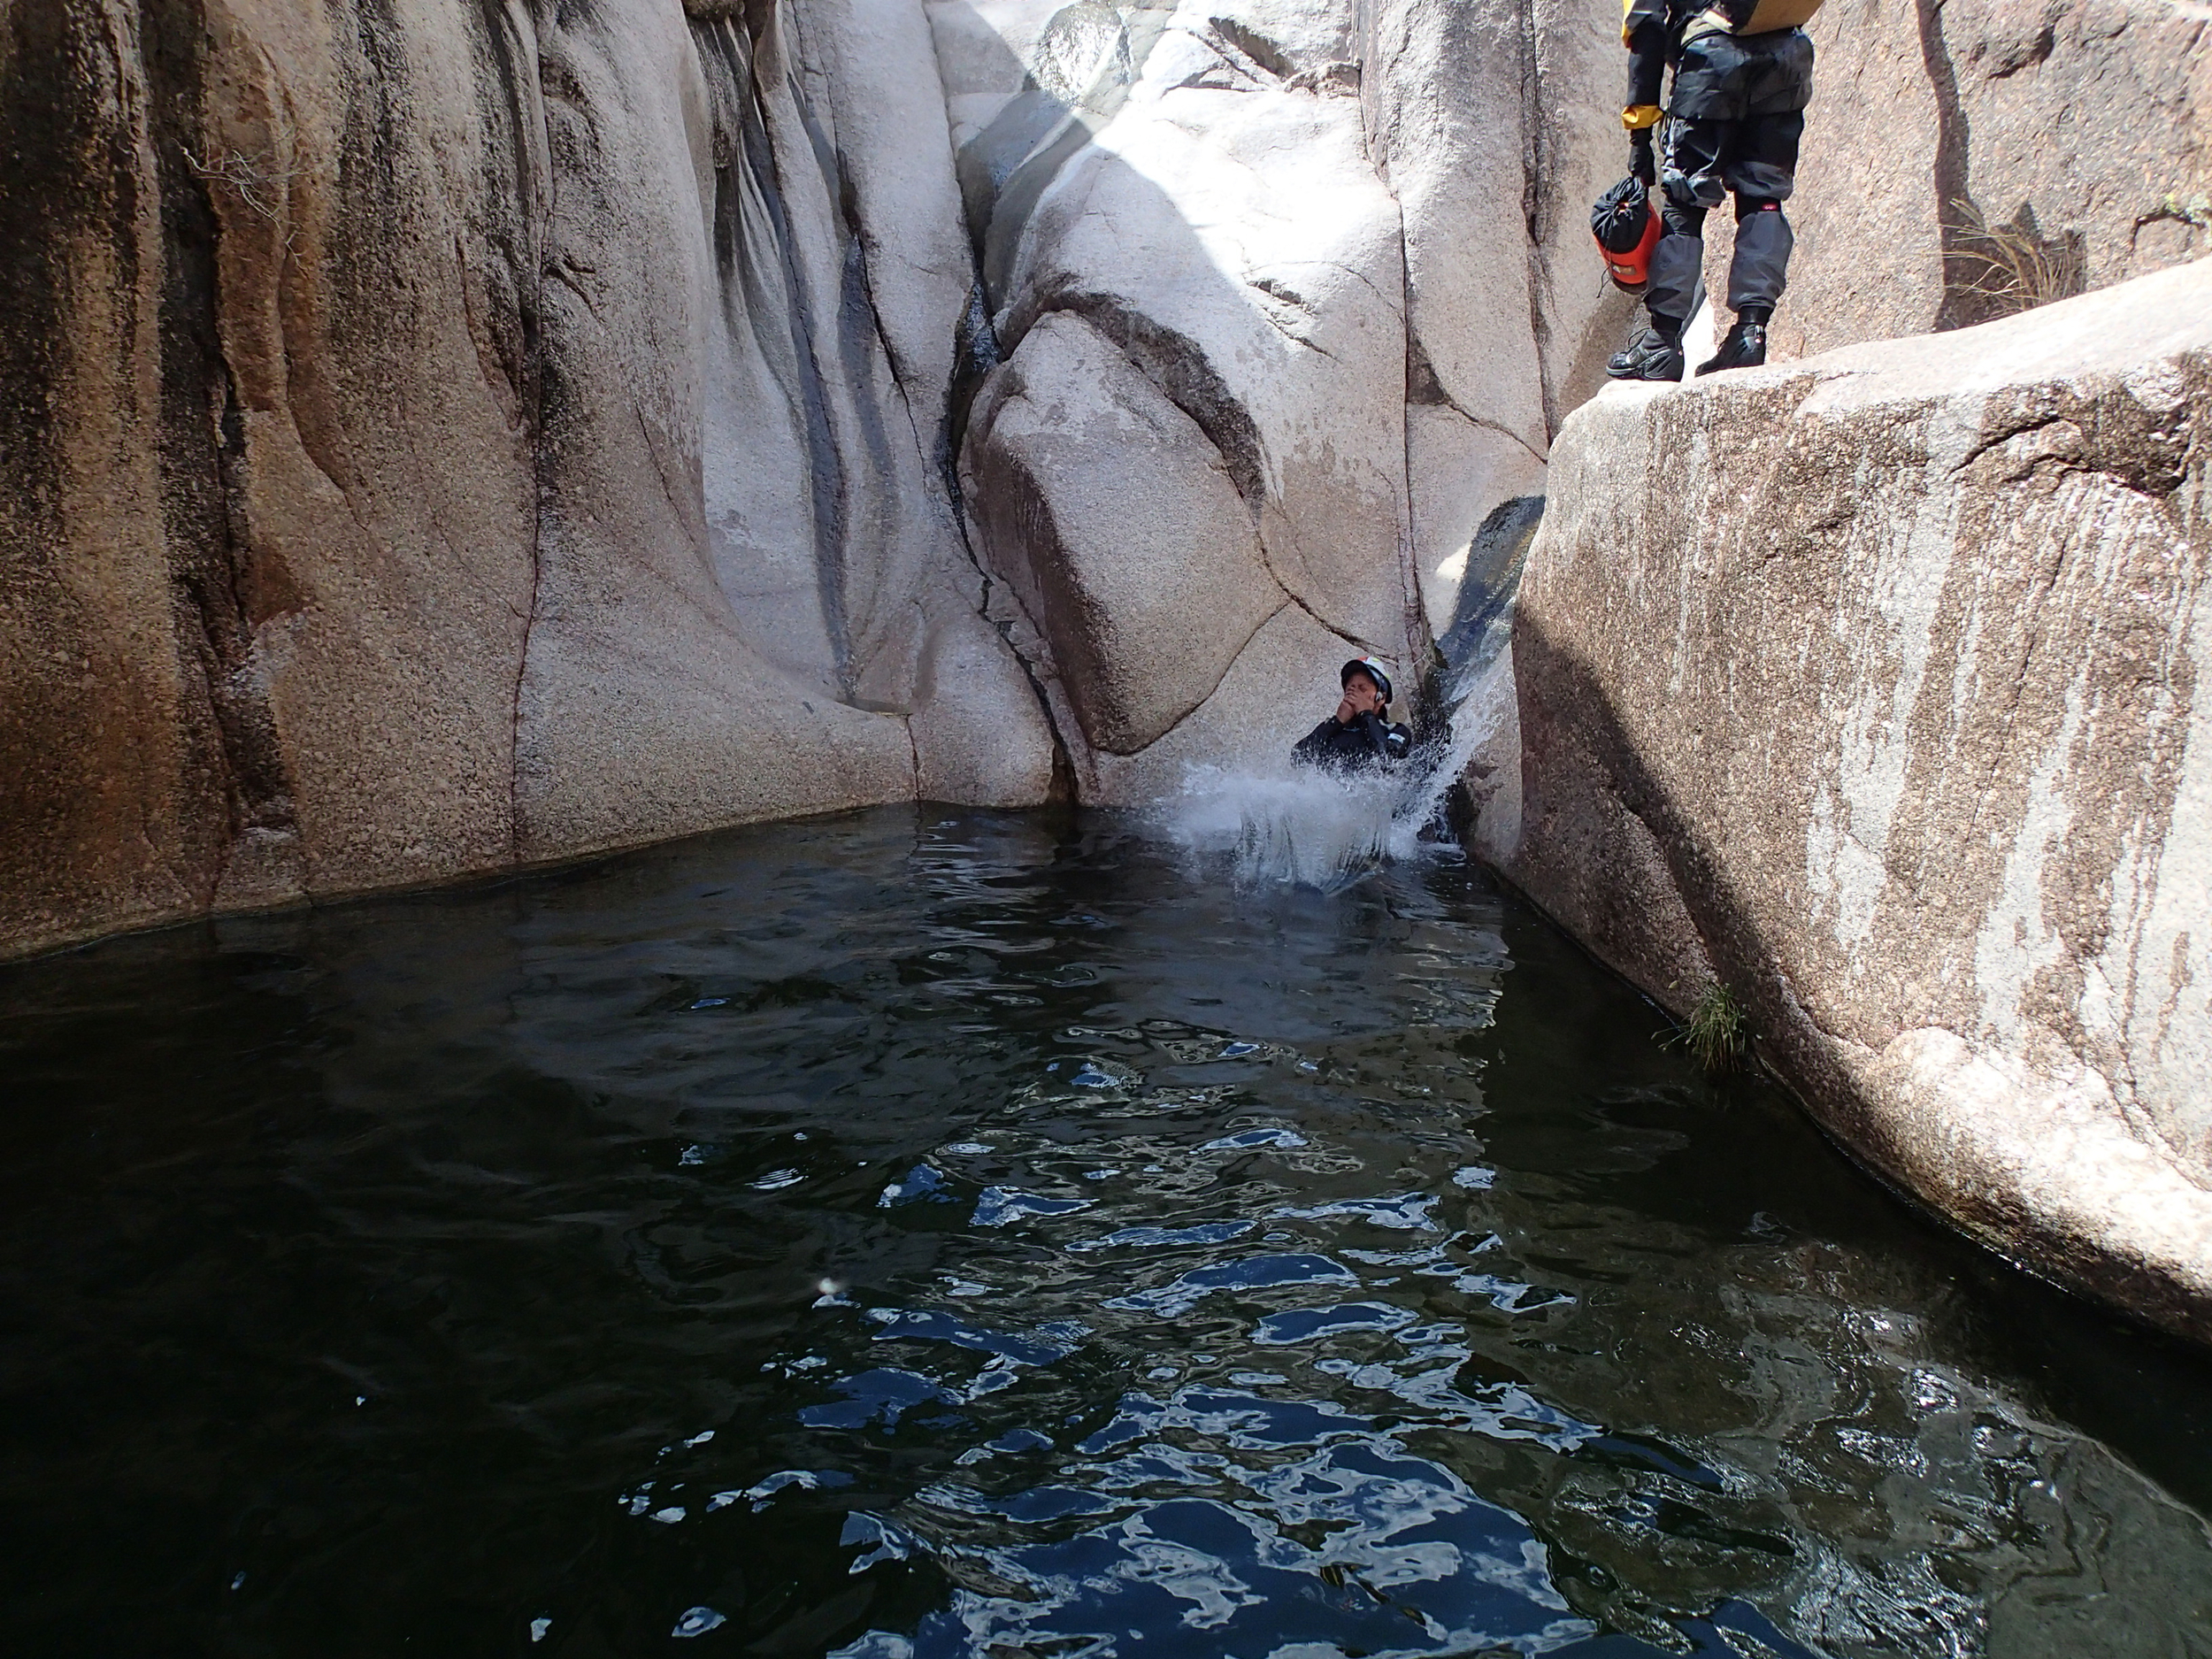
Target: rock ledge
1869 688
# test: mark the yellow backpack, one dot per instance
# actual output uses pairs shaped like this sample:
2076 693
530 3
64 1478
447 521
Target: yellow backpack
1766 16
1778 14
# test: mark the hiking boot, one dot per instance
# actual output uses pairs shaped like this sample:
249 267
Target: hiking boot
1745 348
1651 356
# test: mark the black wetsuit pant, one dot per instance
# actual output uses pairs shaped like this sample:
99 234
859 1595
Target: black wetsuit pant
1732 127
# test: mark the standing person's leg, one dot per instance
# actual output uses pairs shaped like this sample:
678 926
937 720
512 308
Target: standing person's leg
1702 119
1762 176
1762 173
1693 165
1696 150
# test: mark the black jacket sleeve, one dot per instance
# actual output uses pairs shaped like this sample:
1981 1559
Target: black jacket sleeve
1317 748
1644 32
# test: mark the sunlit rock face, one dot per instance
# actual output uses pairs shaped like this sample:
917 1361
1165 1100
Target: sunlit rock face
1964 159
1874 687
1286 302
444 437
448 436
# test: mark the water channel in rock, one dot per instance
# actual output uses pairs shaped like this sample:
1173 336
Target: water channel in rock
942 1233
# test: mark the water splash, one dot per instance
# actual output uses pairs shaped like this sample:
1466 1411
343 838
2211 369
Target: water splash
1280 824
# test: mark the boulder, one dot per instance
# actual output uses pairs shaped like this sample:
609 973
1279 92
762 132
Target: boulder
1192 271
1208 212
1118 528
1266 702
1868 689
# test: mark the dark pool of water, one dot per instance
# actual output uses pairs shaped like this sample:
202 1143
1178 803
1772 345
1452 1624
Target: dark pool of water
951 1234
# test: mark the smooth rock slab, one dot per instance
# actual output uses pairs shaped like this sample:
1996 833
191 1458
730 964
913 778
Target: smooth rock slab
1869 688
1945 139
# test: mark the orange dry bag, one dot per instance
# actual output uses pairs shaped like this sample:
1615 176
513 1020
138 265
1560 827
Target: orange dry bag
1626 230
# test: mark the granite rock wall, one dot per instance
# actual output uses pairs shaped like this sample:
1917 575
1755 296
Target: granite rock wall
450 435
1873 690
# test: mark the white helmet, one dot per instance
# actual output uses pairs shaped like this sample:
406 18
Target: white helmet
1372 668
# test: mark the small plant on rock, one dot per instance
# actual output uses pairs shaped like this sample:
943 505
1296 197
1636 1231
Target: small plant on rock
1715 1032
2195 211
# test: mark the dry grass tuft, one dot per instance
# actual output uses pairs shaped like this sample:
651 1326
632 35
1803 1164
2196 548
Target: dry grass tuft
2013 266
255 180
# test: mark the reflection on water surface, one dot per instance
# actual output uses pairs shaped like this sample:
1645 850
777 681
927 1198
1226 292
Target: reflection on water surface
986 1234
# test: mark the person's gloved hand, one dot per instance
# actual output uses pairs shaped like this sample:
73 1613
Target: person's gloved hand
1641 161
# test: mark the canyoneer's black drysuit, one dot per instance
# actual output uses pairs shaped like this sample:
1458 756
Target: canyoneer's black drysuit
1732 125
1362 745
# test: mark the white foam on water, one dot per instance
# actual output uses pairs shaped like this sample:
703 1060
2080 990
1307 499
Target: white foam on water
1293 825
1298 825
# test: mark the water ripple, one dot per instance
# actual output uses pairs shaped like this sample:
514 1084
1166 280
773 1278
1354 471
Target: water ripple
963 1234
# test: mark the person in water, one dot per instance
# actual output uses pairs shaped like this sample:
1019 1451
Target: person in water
1359 736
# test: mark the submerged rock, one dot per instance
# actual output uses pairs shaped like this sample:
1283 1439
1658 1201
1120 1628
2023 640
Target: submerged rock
1874 688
